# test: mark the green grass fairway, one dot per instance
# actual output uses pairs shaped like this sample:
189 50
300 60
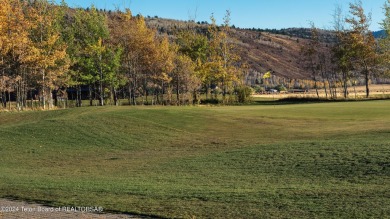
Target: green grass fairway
329 160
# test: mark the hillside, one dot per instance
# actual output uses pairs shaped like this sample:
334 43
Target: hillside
263 50
271 52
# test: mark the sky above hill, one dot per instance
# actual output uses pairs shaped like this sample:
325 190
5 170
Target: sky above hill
244 13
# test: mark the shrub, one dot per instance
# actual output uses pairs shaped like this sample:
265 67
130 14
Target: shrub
281 88
243 94
258 89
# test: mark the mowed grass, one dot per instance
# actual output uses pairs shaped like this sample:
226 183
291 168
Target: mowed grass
329 160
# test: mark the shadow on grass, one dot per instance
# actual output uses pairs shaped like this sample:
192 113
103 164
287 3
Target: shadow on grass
54 204
307 100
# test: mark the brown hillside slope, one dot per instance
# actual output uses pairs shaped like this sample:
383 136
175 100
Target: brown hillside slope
263 51
270 52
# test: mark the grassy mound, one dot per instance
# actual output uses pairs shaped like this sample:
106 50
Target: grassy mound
308 160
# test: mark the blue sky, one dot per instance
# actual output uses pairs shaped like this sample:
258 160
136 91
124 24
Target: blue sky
245 13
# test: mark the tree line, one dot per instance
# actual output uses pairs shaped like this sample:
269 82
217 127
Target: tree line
49 51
